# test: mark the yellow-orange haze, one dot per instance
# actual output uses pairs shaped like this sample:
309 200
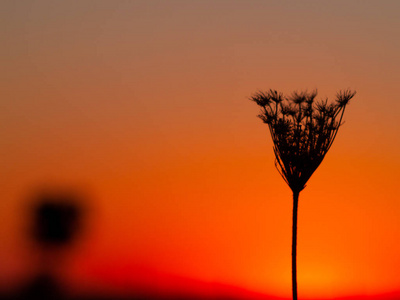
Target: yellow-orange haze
144 105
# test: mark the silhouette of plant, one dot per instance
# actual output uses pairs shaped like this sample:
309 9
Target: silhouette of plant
302 131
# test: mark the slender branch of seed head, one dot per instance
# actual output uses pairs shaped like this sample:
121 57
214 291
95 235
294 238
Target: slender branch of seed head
337 129
282 171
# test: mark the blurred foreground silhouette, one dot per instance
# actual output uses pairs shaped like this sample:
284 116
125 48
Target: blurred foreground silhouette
55 220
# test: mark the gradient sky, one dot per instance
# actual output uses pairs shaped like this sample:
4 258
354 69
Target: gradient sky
144 104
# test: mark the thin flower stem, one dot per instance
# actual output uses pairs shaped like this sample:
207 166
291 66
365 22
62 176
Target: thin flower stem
294 244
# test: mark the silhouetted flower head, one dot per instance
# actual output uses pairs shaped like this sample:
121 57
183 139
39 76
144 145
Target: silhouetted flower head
302 130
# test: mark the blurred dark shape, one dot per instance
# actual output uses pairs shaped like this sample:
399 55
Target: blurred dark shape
56 223
43 286
54 220
57 218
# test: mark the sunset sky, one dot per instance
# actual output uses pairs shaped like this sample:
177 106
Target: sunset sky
144 106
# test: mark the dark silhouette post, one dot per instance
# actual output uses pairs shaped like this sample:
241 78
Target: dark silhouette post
302 131
56 219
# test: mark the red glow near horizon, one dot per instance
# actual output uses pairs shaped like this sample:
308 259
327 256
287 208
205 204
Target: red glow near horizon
125 279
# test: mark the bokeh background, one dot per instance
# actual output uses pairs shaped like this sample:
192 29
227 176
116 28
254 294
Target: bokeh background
142 107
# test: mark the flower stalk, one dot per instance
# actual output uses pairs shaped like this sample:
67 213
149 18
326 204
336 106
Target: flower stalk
302 130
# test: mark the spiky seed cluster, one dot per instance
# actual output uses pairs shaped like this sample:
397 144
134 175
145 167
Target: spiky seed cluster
302 130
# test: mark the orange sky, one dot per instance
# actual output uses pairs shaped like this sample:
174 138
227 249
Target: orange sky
144 103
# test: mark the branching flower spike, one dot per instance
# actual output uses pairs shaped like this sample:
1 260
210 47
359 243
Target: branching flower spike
302 130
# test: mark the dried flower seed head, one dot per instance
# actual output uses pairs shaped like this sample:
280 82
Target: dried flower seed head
261 98
275 96
343 97
302 134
